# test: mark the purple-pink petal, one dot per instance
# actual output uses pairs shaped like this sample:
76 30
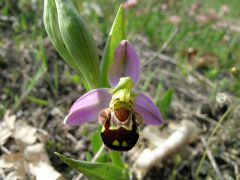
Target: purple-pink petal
87 107
145 106
126 63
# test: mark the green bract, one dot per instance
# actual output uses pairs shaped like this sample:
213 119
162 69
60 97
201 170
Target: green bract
72 39
116 35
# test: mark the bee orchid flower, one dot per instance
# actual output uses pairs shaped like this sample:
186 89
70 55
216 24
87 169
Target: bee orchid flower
120 109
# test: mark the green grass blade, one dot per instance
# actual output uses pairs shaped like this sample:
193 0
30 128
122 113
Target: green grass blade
37 100
30 85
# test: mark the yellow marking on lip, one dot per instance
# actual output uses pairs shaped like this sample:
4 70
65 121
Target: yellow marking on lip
124 144
115 143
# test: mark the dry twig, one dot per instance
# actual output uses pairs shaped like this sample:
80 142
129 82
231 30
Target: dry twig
211 159
180 137
214 131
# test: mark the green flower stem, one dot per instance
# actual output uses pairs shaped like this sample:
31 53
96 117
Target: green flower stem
116 158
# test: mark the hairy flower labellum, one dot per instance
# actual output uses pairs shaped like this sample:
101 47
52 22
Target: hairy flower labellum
120 128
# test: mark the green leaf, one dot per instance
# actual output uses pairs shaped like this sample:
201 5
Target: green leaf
96 171
51 25
76 47
116 35
166 102
52 28
78 42
77 4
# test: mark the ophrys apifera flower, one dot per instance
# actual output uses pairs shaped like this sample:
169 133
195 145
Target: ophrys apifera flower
120 109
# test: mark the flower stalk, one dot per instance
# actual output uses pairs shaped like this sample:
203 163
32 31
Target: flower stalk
116 158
